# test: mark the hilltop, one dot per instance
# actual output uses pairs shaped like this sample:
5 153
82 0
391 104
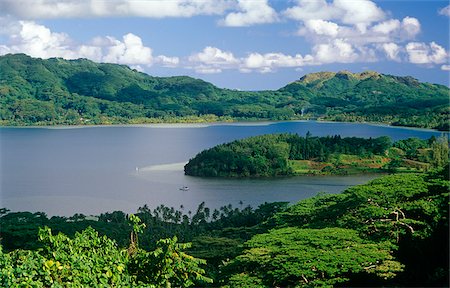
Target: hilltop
35 91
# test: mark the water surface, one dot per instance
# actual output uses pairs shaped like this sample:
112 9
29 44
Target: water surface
93 169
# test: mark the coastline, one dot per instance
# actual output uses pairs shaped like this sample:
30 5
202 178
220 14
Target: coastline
208 124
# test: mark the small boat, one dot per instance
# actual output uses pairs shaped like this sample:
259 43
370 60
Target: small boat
184 188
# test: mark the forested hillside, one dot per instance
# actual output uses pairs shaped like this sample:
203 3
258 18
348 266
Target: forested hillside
390 232
56 91
290 154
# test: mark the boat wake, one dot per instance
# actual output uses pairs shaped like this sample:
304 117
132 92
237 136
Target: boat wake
163 167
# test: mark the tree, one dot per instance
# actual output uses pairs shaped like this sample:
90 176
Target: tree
312 257
168 265
440 152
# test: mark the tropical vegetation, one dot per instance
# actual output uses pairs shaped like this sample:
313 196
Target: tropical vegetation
80 92
290 154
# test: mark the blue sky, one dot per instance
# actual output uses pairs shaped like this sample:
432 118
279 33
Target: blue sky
237 44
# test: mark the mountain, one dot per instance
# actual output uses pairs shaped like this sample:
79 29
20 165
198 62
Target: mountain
55 91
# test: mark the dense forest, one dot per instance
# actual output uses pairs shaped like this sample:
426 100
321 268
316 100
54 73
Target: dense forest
80 92
392 231
290 154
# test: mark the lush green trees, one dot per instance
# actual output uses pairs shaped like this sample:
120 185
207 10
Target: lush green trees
255 156
90 260
291 154
56 91
294 257
365 236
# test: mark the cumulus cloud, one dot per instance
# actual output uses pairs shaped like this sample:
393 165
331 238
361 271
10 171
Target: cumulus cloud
445 67
362 12
391 51
320 27
386 27
351 31
39 41
166 61
445 11
213 60
393 30
251 13
213 55
336 51
411 26
43 9
422 53
128 51
271 61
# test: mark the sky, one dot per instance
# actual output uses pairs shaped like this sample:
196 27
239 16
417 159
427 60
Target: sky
237 44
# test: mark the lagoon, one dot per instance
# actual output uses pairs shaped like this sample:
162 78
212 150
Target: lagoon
90 170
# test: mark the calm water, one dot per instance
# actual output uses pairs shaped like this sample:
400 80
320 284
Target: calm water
97 169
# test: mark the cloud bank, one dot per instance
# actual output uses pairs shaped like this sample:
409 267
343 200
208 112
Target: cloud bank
338 31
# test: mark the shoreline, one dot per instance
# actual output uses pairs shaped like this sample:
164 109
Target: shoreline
216 123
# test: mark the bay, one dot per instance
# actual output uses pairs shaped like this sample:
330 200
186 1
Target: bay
90 170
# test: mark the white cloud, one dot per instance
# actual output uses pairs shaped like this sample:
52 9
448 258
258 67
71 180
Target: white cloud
251 13
39 41
349 31
393 30
391 50
445 11
213 56
130 51
271 61
213 60
411 27
44 9
386 27
335 51
445 67
356 12
422 53
321 27
346 11
167 61
307 10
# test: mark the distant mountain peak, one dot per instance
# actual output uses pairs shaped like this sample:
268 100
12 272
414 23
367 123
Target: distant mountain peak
344 74
311 77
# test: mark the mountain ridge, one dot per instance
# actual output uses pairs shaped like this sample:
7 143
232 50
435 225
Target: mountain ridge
57 91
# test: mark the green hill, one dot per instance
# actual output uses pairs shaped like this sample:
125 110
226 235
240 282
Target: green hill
290 154
55 91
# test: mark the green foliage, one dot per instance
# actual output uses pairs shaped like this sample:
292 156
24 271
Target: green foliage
255 156
409 211
56 91
85 260
404 205
168 265
90 260
312 257
290 154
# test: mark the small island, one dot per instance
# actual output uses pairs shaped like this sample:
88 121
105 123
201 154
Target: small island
290 154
